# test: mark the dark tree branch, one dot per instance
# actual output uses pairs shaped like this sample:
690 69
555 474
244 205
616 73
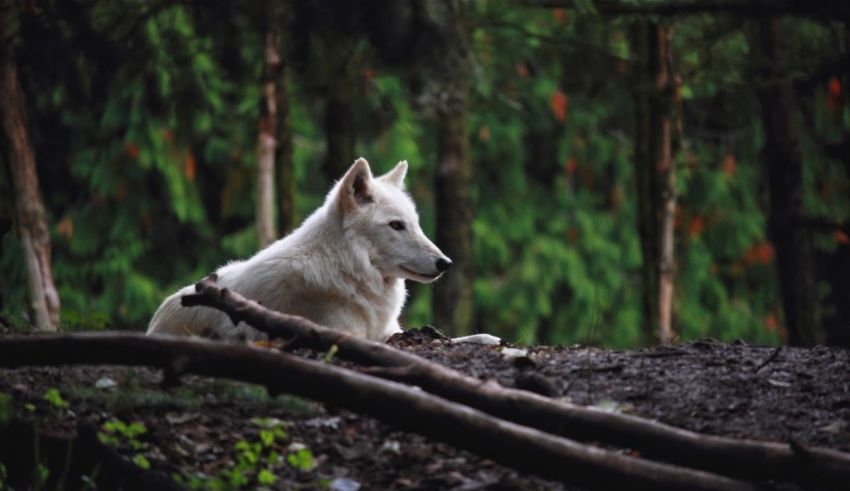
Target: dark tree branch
740 458
405 407
820 224
824 9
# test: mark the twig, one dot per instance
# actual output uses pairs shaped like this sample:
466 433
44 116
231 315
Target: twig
769 359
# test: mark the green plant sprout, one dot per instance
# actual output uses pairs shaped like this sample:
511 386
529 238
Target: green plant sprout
55 398
116 433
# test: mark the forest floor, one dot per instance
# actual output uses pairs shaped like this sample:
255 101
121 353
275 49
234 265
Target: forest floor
193 431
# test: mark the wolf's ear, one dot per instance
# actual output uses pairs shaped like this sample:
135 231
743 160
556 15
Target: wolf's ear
355 189
396 176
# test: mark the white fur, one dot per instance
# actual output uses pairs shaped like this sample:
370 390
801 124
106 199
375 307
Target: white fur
344 267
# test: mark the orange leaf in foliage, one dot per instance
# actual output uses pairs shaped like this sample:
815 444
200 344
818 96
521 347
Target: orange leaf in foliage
572 166
729 165
484 133
615 197
132 150
368 73
833 93
764 252
558 102
65 228
572 235
834 86
761 253
696 226
842 238
168 135
189 166
560 16
771 322
522 70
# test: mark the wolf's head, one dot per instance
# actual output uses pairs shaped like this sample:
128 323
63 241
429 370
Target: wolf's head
380 215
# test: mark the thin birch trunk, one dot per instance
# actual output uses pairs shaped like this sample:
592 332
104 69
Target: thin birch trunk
31 216
666 93
266 141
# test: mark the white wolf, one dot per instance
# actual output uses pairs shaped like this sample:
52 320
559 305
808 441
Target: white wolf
344 267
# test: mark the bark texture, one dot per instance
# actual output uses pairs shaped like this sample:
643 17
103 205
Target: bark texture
452 304
655 173
646 191
268 127
339 122
665 110
30 213
284 158
783 166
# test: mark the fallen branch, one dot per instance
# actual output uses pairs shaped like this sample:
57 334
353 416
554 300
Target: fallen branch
748 459
402 406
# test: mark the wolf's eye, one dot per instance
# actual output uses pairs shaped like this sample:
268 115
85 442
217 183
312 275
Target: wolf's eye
396 225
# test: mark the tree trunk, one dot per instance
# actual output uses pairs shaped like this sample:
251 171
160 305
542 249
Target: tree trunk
783 166
285 163
452 302
339 130
31 219
268 127
655 175
646 192
665 104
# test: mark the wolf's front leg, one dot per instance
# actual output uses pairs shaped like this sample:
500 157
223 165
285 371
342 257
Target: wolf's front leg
392 327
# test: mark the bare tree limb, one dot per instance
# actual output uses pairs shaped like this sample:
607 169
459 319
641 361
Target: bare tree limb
728 456
405 407
823 9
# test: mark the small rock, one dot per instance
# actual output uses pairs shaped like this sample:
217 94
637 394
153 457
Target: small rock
511 353
834 427
332 422
344 484
778 383
296 446
485 339
608 406
391 446
179 419
105 383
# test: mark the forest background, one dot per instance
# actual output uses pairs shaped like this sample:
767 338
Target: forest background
604 172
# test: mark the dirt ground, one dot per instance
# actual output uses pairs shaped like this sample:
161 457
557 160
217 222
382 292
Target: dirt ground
192 433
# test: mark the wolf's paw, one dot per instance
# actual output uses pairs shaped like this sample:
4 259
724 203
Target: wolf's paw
486 339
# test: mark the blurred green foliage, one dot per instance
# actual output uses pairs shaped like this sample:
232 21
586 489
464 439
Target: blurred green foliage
144 121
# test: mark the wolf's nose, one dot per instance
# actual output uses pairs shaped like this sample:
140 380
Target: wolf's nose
443 264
